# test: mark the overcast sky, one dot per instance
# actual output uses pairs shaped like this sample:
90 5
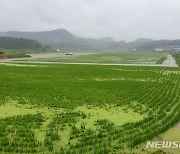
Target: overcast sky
120 19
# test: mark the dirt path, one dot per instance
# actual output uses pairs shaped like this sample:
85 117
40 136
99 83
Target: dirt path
178 125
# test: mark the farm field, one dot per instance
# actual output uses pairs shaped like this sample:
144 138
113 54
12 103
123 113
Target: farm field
85 108
109 58
177 58
10 54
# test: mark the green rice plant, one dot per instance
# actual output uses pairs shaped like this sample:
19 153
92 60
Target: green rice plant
161 60
151 92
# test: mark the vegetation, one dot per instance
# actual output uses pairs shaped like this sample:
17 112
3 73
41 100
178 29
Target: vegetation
18 43
150 92
111 58
161 60
177 58
13 55
16 135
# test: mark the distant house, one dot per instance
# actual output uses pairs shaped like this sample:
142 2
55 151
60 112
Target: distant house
57 50
169 48
2 53
176 48
159 49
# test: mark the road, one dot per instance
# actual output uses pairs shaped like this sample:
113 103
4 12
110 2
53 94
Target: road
170 61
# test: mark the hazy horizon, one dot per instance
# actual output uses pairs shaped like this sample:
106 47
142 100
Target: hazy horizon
120 19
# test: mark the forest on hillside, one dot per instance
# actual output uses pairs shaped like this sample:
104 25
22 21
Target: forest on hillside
18 43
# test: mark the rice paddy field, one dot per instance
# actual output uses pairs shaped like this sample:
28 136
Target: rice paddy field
53 108
109 58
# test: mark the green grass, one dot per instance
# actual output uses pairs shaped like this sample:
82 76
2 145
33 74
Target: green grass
85 108
177 58
112 58
161 60
10 54
26 51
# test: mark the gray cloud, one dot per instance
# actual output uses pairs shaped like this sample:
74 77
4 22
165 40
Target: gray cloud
121 19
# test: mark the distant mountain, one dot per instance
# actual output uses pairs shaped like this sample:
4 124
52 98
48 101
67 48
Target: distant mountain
106 39
54 36
63 39
136 43
60 38
143 40
158 44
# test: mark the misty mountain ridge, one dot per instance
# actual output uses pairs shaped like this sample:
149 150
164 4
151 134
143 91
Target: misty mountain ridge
63 39
144 40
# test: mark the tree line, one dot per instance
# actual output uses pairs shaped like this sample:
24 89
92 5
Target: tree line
18 43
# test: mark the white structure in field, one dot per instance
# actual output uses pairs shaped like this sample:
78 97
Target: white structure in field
57 50
169 48
159 49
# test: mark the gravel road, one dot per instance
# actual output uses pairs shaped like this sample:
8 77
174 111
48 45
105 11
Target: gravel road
170 61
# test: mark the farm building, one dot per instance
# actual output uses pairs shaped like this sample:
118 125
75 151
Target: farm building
176 48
